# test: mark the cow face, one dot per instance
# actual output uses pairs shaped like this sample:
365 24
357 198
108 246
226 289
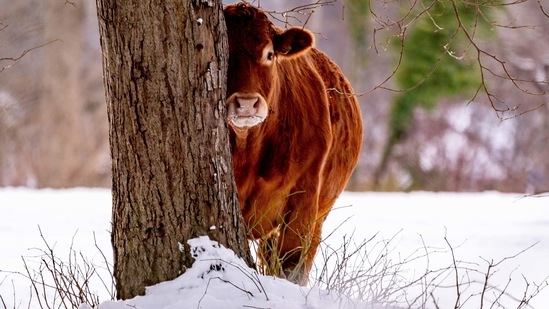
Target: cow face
256 46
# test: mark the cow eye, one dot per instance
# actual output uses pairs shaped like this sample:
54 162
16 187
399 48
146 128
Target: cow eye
270 56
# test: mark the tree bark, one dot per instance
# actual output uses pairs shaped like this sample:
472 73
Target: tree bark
165 71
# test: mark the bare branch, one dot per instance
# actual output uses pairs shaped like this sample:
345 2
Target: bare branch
296 14
542 9
15 60
489 63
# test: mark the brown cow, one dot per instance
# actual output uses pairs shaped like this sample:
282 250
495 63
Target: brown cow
296 133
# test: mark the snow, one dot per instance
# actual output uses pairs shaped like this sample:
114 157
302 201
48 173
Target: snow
408 232
219 279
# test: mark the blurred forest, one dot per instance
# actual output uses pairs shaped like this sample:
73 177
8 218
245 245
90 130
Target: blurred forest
448 104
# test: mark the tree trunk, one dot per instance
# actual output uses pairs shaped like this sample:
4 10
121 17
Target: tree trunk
165 68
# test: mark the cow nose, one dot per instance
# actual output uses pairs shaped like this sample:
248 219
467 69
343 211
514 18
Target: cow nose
246 110
246 107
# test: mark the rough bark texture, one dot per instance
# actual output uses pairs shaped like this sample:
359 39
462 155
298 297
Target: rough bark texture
165 79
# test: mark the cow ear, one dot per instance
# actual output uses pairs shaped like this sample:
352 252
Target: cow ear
293 42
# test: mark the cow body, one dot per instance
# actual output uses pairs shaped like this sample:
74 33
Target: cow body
296 133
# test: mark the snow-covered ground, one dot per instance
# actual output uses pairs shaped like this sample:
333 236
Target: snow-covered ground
398 228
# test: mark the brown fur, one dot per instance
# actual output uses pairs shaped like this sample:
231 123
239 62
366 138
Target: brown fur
291 167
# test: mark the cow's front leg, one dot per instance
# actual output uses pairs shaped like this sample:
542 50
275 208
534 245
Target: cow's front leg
298 241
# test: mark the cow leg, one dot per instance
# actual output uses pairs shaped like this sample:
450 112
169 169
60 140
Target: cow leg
298 238
296 253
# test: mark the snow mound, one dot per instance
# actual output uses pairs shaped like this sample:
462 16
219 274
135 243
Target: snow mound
220 279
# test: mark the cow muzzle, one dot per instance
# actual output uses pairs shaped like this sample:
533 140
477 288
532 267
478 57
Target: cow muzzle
246 110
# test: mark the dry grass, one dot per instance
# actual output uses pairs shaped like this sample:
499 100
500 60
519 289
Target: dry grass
56 282
367 270
363 270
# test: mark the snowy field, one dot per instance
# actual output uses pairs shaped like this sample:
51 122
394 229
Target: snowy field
401 227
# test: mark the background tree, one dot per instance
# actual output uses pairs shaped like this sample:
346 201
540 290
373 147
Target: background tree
52 98
435 63
487 56
165 73
60 162
458 144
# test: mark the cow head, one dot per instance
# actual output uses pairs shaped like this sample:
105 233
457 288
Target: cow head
256 47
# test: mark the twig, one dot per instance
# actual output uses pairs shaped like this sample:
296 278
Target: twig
17 59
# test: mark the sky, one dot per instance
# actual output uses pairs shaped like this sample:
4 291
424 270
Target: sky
403 244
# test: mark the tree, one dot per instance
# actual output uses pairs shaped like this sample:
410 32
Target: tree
165 68
59 161
460 51
57 126
429 68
